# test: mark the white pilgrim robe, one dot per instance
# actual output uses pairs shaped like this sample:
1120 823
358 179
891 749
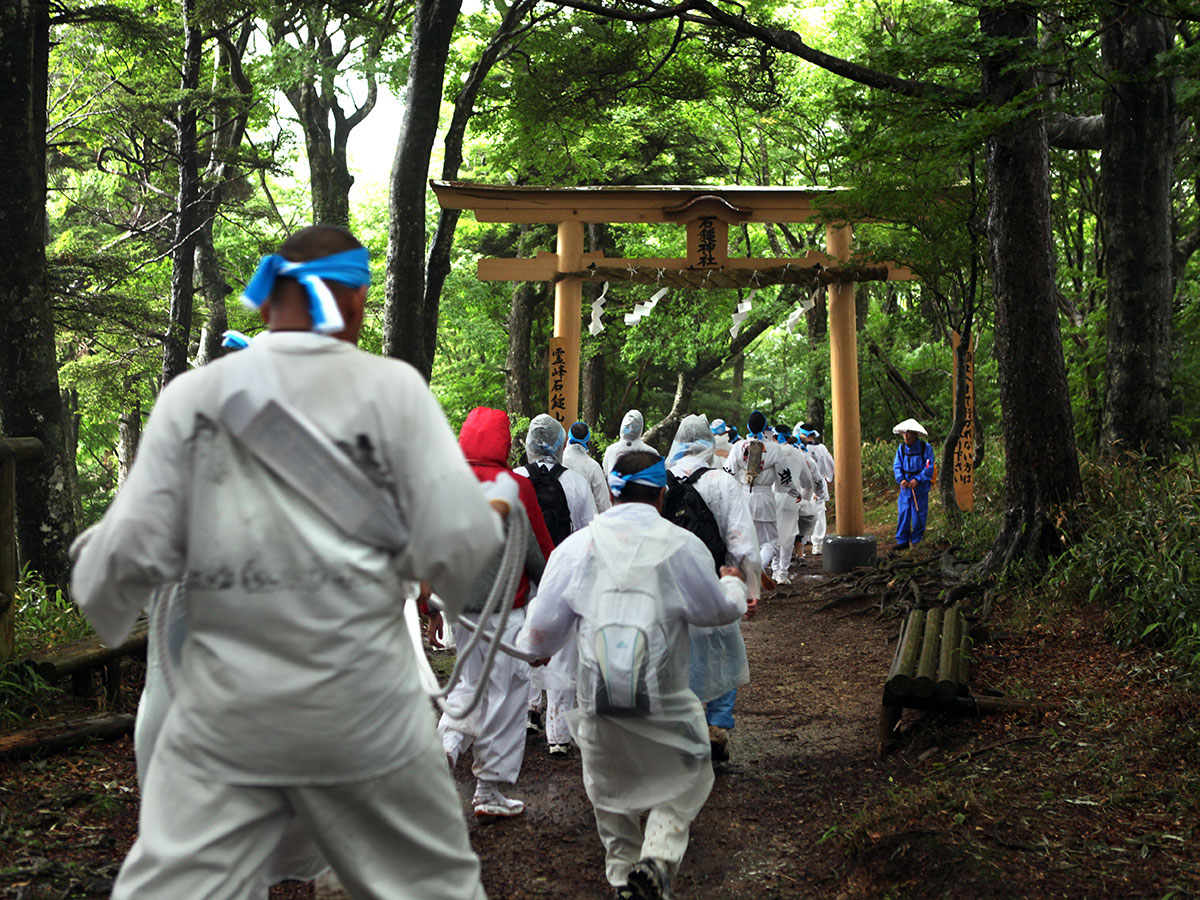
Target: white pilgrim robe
558 677
634 567
296 669
577 460
719 661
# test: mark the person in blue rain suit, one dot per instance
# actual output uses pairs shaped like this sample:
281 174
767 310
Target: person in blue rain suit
913 468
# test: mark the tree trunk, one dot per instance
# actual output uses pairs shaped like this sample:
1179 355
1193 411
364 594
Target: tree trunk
329 171
30 401
214 289
664 430
409 326
592 390
518 395
818 383
437 266
129 437
188 220
1041 465
1136 178
739 381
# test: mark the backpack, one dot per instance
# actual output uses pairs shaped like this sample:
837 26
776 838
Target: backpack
753 454
683 506
552 499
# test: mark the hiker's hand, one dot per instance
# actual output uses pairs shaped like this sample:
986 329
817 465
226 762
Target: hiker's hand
732 570
502 493
751 608
537 663
433 629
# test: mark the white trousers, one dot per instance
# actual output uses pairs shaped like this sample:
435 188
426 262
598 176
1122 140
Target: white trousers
665 838
400 836
819 530
768 541
556 703
496 728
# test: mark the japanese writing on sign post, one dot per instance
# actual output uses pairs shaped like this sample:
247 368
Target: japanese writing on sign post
707 244
964 453
558 380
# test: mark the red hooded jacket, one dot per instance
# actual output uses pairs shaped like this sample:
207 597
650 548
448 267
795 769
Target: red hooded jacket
484 440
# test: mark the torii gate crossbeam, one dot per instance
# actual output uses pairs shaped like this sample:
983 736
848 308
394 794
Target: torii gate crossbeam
706 212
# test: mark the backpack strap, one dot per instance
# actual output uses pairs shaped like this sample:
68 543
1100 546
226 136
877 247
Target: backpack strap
695 476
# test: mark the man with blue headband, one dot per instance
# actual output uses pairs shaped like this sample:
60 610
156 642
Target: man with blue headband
632 583
297 695
755 461
577 457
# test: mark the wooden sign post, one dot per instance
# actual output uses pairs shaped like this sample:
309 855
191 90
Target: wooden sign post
964 453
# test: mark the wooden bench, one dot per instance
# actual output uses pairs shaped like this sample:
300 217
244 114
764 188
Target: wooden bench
79 659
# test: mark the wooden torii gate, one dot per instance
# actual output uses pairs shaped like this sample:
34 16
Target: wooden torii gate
706 212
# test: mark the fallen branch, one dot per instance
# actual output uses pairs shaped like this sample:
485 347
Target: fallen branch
997 745
64 735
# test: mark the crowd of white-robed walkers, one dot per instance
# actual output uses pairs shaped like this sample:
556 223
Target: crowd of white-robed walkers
274 516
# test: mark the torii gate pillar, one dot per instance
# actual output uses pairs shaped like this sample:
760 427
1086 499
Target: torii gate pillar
848 548
568 313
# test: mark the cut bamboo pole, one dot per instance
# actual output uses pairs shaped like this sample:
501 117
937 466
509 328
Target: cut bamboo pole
922 685
899 681
948 653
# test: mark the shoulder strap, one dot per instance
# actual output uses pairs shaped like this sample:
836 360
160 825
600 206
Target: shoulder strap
288 443
695 476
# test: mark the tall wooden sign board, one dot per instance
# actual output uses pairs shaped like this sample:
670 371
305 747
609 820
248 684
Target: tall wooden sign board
964 453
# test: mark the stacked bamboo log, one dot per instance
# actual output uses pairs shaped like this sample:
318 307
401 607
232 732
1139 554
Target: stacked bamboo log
932 656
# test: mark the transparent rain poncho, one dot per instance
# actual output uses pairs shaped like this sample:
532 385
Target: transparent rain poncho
632 427
693 437
718 659
545 440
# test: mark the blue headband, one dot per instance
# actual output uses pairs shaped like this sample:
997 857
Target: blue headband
571 439
690 447
234 340
654 475
350 267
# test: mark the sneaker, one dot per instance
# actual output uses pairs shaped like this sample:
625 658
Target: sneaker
489 802
329 887
782 578
533 721
560 750
625 892
902 546
718 739
650 879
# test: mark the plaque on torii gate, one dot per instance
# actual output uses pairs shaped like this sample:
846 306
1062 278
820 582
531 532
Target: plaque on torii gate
706 212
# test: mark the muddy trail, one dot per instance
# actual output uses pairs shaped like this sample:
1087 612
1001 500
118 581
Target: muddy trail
1092 792
801 755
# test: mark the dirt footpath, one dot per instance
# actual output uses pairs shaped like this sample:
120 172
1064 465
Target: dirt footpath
802 757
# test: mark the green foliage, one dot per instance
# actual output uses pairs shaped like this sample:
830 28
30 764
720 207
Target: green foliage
44 616
22 692
1136 550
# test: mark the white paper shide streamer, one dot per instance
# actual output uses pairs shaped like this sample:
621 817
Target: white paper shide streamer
596 325
641 310
743 310
805 305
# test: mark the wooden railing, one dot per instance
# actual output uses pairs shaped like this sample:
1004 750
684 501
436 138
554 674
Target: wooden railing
12 451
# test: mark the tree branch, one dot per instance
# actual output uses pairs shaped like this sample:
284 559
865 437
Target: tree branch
703 12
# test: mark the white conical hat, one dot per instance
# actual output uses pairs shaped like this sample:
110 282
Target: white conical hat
910 425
